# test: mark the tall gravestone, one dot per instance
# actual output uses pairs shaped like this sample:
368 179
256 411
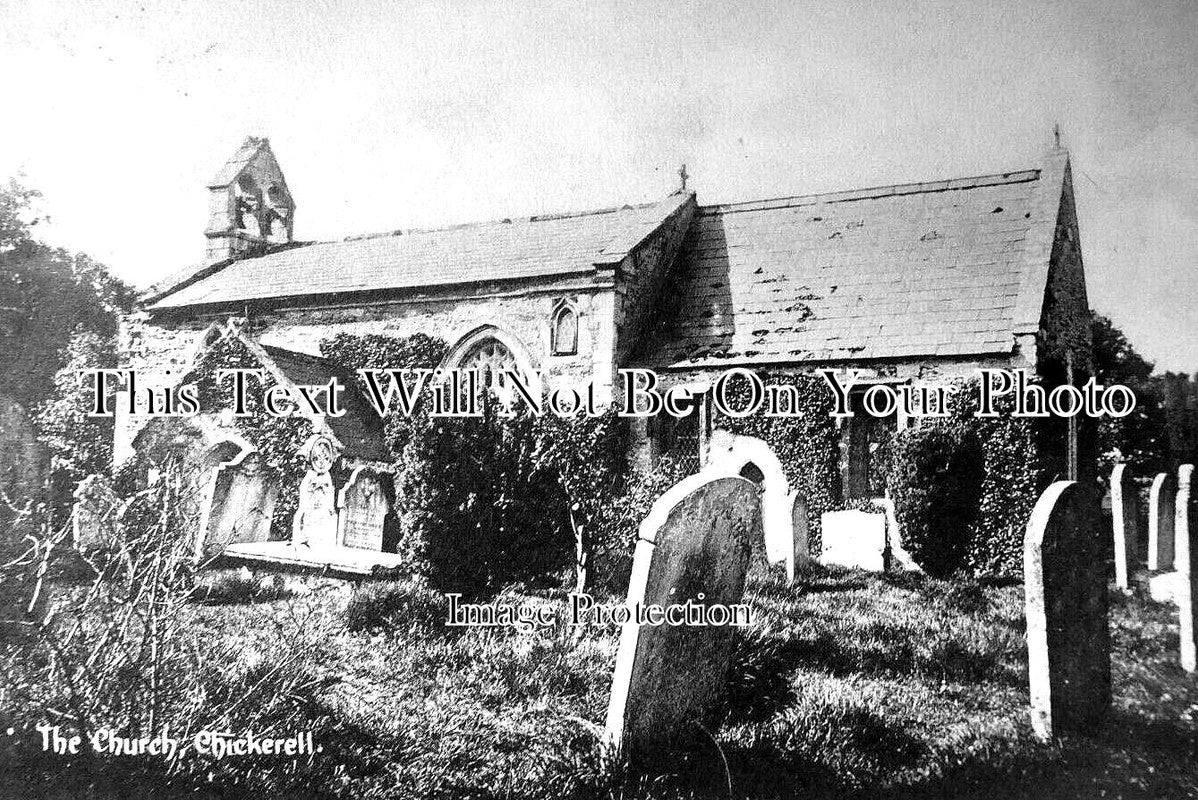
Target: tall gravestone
362 511
1124 525
800 522
1065 589
1162 507
1187 565
694 546
315 520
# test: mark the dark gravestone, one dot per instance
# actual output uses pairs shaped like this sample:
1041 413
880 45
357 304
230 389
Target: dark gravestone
1162 505
1124 525
1069 655
800 522
1187 566
694 546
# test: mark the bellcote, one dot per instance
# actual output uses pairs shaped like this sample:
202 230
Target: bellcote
249 205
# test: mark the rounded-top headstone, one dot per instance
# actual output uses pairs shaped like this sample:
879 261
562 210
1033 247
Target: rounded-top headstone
1162 505
1065 589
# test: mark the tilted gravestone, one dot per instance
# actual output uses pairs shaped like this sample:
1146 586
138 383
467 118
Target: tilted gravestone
240 504
694 546
94 516
362 511
1162 506
1124 525
1065 589
1187 565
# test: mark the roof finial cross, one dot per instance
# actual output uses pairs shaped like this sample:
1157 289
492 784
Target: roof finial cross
682 176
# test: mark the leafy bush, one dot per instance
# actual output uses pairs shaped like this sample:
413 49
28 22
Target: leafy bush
984 500
495 499
617 521
935 481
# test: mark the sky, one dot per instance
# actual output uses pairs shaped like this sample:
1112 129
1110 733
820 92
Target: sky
389 115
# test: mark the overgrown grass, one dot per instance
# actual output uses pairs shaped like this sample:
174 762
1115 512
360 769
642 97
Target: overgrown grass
848 685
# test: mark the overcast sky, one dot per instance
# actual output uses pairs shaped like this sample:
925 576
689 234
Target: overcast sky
392 115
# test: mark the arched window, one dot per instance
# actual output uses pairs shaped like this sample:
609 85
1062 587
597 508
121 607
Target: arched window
564 333
491 358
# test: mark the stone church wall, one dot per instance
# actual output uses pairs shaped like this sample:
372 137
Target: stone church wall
162 350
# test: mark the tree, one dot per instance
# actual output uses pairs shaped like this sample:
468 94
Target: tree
1141 438
46 295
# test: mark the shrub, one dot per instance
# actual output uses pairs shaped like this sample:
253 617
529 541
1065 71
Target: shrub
968 485
935 480
495 499
617 521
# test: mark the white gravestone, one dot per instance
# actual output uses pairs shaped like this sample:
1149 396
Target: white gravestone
241 504
1187 566
854 539
315 521
729 454
1124 525
363 509
1162 501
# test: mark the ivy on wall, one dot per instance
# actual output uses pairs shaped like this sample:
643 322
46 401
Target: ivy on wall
807 445
277 439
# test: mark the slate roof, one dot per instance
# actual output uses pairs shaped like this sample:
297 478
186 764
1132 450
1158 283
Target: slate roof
360 429
530 247
949 268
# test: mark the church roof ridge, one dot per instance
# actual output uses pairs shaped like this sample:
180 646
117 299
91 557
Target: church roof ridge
548 217
871 193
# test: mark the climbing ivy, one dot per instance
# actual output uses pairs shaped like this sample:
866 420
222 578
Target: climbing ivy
277 439
807 445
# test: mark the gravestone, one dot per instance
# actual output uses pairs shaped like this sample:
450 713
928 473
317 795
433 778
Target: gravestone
362 511
1187 566
854 539
315 521
240 505
1162 506
1065 591
669 679
93 523
1124 525
800 522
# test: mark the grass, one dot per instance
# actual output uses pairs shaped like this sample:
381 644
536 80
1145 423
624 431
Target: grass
849 685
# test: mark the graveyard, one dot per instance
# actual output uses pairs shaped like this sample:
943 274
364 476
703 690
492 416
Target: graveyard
851 685
850 682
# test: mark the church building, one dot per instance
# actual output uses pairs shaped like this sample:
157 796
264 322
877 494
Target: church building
919 282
